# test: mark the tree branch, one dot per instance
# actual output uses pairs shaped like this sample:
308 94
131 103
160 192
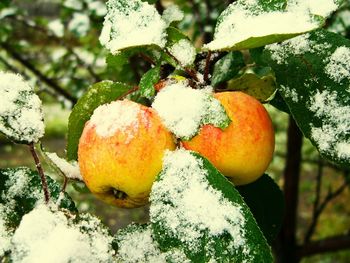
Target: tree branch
325 245
26 63
40 171
287 250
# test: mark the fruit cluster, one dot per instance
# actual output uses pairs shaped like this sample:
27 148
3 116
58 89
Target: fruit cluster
122 147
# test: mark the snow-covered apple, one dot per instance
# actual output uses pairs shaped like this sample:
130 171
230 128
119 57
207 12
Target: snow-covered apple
121 150
243 150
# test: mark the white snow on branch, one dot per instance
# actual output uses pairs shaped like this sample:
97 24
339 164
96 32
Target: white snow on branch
69 169
183 51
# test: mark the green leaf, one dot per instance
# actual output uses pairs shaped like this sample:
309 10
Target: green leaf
314 79
261 88
266 202
21 116
174 35
21 190
249 25
227 67
98 94
279 103
148 80
135 243
195 208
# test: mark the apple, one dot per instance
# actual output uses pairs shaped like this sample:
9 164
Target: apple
120 152
243 150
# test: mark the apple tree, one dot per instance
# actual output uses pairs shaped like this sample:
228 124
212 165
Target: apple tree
147 128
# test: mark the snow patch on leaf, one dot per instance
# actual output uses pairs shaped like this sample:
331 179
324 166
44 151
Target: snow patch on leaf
183 109
21 117
69 169
47 235
244 20
172 13
190 209
183 51
132 23
331 135
338 67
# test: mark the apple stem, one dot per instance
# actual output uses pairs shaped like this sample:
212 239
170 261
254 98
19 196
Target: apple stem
40 171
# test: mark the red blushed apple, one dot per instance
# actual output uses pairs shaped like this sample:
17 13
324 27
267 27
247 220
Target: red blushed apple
243 150
120 152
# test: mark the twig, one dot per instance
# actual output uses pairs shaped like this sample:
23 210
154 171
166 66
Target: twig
64 185
40 171
38 73
191 72
207 67
135 88
315 215
147 58
325 245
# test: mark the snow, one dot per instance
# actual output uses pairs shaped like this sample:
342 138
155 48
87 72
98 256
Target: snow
330 137
189 208
190 108
73 4
47 235
172 13
98 8
21 116
289 93
132 23
242 20
296 46
338 67
117 116
69 169
184 52
136 244
80 24
56 27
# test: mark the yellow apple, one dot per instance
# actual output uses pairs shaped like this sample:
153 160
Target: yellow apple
120 152
244 149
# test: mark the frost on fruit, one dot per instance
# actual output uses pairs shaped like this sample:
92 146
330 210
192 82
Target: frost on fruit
245 21
69 169
136 244
190 109
21 117
46 234
116 116
189 209
130 24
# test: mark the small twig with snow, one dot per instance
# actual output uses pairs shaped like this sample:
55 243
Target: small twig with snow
191 72
207 67
40 171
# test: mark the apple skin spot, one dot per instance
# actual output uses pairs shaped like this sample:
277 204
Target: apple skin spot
245 148
126 164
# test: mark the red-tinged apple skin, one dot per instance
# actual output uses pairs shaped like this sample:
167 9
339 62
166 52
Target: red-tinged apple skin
243 150
129 166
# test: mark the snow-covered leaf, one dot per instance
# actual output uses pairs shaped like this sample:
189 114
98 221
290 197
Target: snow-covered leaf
132 23
79 25
98 94
180 47
227 67
172 14
135 243
21 117
184 110
148 80
250 24
267 206
261 88
314 76
46 233
196 209
69 169
20 191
